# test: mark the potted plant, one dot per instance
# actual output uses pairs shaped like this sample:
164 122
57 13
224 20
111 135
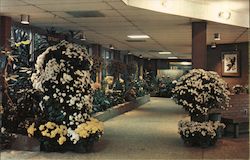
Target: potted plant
63 77
199 92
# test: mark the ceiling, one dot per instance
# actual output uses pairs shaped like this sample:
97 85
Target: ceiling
167 32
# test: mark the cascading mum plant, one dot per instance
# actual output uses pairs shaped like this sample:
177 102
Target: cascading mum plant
63 76
199 91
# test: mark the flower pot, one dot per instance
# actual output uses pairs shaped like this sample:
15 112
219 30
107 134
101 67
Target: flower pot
52 146
199 140
199 118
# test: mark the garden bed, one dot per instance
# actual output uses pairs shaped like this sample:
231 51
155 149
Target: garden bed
121 108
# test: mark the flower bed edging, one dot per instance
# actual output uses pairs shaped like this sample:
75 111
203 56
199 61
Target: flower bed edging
121 108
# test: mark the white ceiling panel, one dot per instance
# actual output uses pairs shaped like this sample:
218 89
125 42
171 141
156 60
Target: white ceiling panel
59 2
28 9
99 20
76 7
11 3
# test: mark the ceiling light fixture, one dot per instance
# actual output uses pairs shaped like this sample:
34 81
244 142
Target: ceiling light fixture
129 53
173 57
225 14
217 36
165 52
111 47
186 63
140 56
25 19
213 45
138 36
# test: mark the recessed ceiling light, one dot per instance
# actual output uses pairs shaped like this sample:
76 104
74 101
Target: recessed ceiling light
186 63
25 19
164 52
138 36
225 14
173 57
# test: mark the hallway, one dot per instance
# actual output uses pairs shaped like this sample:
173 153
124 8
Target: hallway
149 132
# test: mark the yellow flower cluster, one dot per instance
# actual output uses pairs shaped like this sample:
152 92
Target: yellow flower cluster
31 130
109 79
51 129
84 130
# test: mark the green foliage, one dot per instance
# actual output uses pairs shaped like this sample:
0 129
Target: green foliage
165 87
100 101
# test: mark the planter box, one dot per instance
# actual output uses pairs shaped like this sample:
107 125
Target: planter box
25 143
121 108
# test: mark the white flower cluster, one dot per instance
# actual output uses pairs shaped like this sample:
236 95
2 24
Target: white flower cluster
63 75
200 90
190 128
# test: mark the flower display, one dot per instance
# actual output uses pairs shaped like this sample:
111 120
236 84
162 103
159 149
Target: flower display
63 76
199 133
200 90
189 128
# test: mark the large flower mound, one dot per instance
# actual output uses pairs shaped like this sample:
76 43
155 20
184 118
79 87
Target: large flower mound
200 90
63 76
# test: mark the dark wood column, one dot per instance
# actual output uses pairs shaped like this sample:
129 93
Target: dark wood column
199 45
5 31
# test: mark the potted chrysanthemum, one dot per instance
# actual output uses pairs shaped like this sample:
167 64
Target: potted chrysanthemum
200 91
63 77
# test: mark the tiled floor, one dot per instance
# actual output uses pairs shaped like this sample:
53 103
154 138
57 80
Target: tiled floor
149 132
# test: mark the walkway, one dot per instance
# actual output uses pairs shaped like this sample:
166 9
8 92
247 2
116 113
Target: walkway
149 132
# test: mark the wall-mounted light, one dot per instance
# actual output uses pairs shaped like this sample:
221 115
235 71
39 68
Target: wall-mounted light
82 37
225 14
140 56
164 3
213 45
25 19
217 36
111 47
129 53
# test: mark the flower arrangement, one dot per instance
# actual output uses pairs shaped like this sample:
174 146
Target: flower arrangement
200 133
63 76
199 91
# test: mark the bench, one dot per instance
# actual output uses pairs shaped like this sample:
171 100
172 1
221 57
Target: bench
235 122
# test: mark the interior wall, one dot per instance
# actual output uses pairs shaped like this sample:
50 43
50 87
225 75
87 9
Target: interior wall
214 61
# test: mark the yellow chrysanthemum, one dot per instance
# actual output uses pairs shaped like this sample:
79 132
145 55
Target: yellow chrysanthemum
31 130
61 140
41 127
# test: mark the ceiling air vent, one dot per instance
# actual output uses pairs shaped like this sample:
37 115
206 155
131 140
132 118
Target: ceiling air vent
155 50
80 14
136 40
